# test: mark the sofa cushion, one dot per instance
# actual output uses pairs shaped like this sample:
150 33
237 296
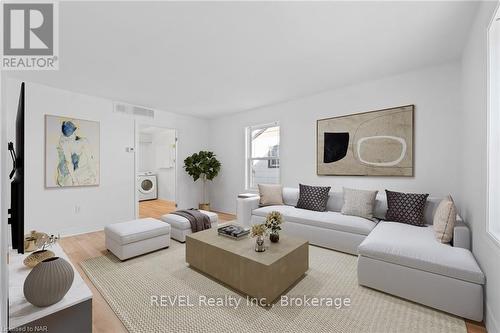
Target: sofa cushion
416 247
136 230
406 207
290 196
327 220
313 197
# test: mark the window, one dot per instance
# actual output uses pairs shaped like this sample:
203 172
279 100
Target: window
273 152
263 158
494 130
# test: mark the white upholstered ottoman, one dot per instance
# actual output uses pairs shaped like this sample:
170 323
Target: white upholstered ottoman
133 238
180 226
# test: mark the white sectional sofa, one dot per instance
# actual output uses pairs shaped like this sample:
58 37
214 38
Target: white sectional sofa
396 258
408 262
329 229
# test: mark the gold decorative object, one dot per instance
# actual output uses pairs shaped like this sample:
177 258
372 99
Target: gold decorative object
29 244
36 257
42 241
204 206
34 240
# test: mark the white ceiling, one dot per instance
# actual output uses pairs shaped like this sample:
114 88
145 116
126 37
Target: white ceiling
208 59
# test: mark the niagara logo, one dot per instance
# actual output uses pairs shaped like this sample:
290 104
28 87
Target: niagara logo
30 36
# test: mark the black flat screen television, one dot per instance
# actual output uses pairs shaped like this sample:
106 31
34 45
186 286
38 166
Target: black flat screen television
16 211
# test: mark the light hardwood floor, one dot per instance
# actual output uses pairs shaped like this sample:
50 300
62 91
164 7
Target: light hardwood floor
155 208
85 246
82 247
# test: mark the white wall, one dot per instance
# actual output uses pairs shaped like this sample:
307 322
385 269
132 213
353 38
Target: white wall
54 210
145 154
435 93
80 209
472 202
165 176
158 141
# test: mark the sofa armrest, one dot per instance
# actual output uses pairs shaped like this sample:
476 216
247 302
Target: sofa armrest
461 234
244 209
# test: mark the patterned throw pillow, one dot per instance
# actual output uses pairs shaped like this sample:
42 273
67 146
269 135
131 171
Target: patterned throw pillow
406 208
359 203
313 197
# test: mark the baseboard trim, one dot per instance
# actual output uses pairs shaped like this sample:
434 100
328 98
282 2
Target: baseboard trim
221 212
491 322
79 231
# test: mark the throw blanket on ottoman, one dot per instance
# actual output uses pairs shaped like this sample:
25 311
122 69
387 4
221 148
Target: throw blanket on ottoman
198 221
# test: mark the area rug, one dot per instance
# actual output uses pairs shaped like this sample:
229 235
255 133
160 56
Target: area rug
158 292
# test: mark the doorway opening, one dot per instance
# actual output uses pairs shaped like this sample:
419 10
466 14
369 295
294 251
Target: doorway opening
156 171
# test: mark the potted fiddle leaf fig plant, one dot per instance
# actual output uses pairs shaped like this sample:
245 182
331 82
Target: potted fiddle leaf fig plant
205 166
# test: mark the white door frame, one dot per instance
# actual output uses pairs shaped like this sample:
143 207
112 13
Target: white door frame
138 124
4 230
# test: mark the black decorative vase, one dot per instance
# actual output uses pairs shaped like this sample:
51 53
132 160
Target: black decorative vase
274 237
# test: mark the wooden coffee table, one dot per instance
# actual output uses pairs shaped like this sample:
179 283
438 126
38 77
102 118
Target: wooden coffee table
261 275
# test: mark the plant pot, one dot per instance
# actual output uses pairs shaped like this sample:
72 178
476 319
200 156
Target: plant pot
204 206
36 257
274 237
259 244
48 282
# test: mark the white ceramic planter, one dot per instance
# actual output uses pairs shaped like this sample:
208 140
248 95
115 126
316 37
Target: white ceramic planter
48 282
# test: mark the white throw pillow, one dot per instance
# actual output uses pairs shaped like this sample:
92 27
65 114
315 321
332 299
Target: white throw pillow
445 218
270 194
359 203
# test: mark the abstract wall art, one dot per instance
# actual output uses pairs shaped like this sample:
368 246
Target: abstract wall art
375 143
71 152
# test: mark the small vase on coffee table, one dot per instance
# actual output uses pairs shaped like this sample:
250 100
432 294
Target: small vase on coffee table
259 244
274 237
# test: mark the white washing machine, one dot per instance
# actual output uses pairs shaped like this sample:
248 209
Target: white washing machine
146 185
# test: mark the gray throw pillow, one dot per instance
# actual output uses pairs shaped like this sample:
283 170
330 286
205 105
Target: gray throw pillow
359 203
406 208
270 194
445 218
313 197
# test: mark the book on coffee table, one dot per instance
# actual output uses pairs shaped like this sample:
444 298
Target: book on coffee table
233 231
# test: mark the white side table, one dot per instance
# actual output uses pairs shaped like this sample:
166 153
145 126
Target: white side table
71 314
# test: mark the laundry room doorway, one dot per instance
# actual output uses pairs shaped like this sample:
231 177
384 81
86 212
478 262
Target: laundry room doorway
156 170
